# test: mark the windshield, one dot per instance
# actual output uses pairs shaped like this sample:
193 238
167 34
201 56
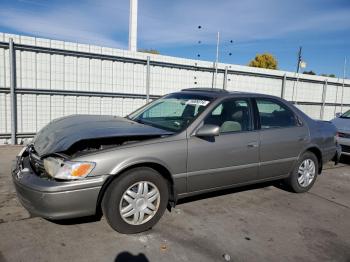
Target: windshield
173 112
346 114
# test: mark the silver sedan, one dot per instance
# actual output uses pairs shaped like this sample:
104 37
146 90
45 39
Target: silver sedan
342 123
186 143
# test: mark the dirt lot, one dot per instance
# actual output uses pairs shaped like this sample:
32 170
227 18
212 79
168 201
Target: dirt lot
260 223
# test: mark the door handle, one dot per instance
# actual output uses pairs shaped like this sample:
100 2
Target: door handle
301 138
252 144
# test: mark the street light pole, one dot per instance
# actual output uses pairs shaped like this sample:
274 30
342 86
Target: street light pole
216 60
133 25
342 90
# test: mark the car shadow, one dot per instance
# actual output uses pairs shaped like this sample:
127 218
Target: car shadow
345 159
78 220
98 216
223 192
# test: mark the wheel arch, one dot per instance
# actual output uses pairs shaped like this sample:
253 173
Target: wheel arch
161 169
318 153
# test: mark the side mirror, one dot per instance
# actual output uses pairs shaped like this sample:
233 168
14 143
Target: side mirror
208 131
338 114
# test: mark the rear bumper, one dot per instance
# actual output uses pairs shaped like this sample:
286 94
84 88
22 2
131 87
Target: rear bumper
53 199
345 145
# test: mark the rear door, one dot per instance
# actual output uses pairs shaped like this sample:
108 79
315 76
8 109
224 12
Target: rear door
282 137
227 159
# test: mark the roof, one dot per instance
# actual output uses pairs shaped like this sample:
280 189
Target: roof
212 91
205 89
217 92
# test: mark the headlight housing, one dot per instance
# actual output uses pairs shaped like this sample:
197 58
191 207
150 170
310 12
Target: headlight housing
67 170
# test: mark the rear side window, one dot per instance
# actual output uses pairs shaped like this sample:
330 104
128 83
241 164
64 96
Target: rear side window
274 114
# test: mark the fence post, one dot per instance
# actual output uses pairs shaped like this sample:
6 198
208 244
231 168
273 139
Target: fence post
324 91
225 78
283 87
148 78
12 56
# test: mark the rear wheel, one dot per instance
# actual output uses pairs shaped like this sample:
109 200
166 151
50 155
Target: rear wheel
304 174
135 201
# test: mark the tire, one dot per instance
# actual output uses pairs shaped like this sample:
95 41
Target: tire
298 182
142 190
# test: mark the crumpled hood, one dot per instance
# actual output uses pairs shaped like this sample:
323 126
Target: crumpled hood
342 124
60 134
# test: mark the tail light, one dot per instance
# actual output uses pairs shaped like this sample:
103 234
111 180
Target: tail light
336 137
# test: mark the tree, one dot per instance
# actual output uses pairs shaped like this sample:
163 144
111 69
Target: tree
330 75
265 60
309 73
150 51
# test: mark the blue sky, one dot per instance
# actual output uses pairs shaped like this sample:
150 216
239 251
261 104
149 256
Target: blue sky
322 27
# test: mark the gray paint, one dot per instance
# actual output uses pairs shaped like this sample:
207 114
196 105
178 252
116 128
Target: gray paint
63 132
343 126
196 164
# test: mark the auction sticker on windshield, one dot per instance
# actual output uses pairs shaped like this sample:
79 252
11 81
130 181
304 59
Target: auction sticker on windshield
196 102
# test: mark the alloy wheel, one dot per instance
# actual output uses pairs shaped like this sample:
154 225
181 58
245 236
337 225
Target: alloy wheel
139 203
306 172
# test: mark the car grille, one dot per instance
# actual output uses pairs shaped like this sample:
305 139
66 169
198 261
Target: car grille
345 149
36 162
344 135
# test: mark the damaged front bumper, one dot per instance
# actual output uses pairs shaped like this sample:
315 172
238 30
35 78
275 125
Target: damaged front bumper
54 199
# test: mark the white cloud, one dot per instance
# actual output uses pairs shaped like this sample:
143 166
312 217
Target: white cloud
166 22
90 23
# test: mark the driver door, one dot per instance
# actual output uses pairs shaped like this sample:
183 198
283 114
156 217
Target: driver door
230 158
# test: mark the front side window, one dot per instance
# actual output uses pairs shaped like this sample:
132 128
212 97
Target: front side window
173 112
232 115
274 114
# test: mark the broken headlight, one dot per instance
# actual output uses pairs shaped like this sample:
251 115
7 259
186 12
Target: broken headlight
67 170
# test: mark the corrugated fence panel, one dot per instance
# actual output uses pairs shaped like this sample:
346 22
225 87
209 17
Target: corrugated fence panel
57 72
70 73
311 110
29 70
346 95
70 105
310 92
28 117
40 70
3 114
43 110
83 68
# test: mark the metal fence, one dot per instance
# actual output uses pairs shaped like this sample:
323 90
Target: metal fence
42 79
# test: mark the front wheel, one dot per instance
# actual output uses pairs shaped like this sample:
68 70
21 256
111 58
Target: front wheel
135 201
304 174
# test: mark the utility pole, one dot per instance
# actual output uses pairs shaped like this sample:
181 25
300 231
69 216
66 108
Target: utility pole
295 84
299 58
216 60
